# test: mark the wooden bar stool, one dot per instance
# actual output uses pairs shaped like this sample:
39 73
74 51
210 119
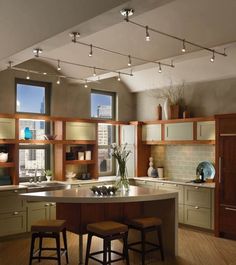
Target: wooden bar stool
48 229
145 225
108 231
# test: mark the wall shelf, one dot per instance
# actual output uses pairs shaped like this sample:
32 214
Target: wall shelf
80 162
7 164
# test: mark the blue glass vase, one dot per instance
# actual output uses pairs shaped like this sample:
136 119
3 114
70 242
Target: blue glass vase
28 134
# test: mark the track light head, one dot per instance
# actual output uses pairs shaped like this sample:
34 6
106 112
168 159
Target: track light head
58 65
28 75
160 70
37 51
94 71
129 61
86 83
91 51
213 57
74 35
58 80
119 78
127 12
10 64
183 47
147 34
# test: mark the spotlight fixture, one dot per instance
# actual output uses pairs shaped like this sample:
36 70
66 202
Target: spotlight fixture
160 70
91 51
147 34
58 65
58 80
94 71
119 78
86 85
10 64
127 12
28 75
213 57
37 51
44 73
183 47
129 61
74 35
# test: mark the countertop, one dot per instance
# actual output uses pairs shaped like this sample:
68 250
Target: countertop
85 195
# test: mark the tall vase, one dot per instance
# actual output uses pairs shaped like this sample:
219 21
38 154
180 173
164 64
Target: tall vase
122 181
166 108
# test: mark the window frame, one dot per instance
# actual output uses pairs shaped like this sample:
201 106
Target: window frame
47 87
113 102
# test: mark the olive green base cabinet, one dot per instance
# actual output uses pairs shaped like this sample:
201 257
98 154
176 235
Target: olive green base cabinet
12 213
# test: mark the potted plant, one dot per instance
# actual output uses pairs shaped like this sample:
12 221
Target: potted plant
48 174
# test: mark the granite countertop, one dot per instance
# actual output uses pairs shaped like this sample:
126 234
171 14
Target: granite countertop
85 195
185 182
12 187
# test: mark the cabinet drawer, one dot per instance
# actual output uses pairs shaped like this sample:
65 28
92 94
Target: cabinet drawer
179 131
197 196
10 201
12 223
80 131
206 130
7 128
197 216
173 187
151 132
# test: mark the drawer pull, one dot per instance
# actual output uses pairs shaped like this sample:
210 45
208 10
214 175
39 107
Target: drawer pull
196 188
15 213
46 204
196 207
230 209
53 204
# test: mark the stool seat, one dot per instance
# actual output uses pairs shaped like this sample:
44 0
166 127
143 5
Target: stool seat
107 228
145 222
48 226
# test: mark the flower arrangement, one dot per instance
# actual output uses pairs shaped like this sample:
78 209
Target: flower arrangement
121 154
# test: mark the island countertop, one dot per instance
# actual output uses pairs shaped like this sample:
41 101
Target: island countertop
85 195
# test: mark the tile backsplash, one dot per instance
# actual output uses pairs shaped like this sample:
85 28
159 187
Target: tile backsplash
181 161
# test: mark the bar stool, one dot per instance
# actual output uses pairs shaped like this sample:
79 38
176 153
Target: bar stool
48 229
108 231
145 225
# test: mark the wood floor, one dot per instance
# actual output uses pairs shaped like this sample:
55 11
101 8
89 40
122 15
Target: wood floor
195 248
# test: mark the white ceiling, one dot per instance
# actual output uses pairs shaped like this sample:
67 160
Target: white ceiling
46 24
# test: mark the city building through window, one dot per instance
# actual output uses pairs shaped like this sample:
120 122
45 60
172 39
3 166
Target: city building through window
103 107
33 97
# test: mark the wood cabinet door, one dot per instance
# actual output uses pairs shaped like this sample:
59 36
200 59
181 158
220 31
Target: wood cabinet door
151 132
182 131
37 211
206 130
227 170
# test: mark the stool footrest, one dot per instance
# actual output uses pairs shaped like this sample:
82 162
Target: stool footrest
91 255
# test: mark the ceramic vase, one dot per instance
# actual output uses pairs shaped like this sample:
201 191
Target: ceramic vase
166 109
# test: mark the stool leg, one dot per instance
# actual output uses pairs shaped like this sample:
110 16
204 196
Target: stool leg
109 252
65 244
32 247
57 236
105 246
40 246
88 248
159 233
143 238
125 248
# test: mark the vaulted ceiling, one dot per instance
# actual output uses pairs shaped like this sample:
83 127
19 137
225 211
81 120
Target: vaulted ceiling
27 24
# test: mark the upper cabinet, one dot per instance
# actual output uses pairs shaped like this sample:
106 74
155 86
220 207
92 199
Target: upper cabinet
83 131
151 132
206 130
7 128
127 134
179 131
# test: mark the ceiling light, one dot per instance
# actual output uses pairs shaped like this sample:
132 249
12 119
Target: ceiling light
160 70
58 65
94 71
118 78
127 12
147 34
44 73
183 47
37 51
91 51
74 36
58 80
213 57
28 75
129 61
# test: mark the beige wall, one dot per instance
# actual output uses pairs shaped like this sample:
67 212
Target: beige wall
67 100
202 99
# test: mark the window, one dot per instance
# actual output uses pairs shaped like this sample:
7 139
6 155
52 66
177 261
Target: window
32 97
102 105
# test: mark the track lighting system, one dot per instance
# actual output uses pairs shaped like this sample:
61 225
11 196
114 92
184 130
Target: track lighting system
74 35
126 13
37 52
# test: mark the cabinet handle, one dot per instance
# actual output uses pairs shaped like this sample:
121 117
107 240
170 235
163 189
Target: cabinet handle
46 204
53 204
220 163
230 209
196 207
15 213
196 188
228 134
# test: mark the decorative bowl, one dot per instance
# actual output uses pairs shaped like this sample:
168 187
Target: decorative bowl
103 190
3 157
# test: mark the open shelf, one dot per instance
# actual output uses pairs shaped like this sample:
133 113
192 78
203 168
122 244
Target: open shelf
80 162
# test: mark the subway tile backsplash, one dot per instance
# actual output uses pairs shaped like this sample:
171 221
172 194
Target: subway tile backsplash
181 161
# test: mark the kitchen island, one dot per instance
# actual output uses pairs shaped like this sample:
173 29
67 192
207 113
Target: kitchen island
79 206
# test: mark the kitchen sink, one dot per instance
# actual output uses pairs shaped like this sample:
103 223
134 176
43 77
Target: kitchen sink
44 186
